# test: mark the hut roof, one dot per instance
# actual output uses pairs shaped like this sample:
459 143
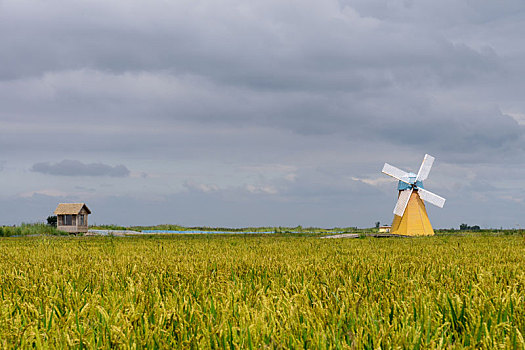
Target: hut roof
70 208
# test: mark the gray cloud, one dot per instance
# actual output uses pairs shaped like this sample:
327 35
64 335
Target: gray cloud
77 168
193 94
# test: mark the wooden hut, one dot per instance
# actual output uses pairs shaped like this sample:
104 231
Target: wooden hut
72 217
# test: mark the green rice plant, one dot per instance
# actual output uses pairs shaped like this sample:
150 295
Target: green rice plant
262 291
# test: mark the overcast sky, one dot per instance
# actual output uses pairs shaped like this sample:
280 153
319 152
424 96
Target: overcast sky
261 112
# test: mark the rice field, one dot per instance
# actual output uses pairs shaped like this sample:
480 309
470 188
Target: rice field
262 291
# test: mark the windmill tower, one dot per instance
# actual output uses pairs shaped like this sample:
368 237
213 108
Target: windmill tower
411 217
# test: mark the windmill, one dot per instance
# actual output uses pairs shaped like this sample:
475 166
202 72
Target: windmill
411 217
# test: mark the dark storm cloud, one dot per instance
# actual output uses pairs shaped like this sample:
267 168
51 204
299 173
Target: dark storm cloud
319 69
76 168
400 117
290 47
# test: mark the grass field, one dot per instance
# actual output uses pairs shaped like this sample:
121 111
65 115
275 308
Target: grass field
262 292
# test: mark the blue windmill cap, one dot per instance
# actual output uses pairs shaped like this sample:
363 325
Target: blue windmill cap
401 186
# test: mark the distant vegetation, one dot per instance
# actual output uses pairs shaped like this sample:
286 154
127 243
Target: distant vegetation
481 232
465 227
52 220
29 229
272 229
299 230
50 229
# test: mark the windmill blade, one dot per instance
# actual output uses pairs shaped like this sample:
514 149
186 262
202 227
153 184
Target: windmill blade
402 202
430 197
396 173
424 170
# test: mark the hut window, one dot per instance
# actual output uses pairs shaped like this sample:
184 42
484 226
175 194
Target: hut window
68 220
81 221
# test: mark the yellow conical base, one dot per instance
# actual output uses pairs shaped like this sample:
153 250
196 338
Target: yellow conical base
414 221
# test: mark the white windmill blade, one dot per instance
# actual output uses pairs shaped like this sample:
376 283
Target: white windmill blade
402 202
430 197
426 165
396 173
